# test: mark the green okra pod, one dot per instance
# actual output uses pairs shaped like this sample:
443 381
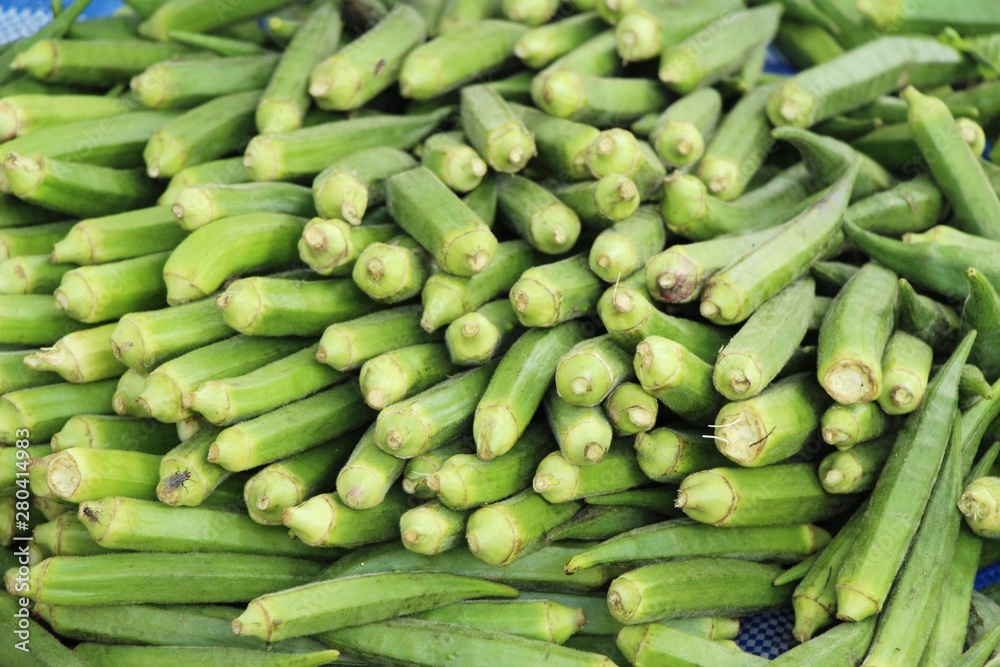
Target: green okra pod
856 469
44 410
530 12
454 161
931 321
562 144
67 536
775 495
125 399
202 261
618 151
182 84
682 538
166 386
602 523
205 133
461 13
45 645
658 643
671 454
264 306
677 378
658 499
432 528
773 426
197 206
931 17
80 474
24 114
981 312
847 641
391 377
826 159
978 505
152 578
502 532
550 294
643 30
346 189
144 340
583 433
331 247
114 432
82 356
16 213
347 345
623 248
326 521
465 481
433 417
228 47
15 375
680 133
444 63
559 481
906 366
475 337
103 654
92 63
910 206
765 343
540 46
107 291
419 469
495 130
731 295
603 202
394 271
591 370
290 429
193 16
239 397
725 587
517 388
310 150
541 619
33 319
846 425
226 171
536 215
122 236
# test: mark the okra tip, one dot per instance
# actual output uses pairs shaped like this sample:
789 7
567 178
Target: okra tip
809 616
854 605
24 172
495 431
562 93
624 598
790 105
977 503
311 521
740 373
193 208
261 159
253 622
706 497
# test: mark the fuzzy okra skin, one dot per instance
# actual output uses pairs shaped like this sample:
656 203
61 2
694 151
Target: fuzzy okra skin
419 469
677 378
550 294
217 172
518 386
600 100
602 523
845 644
583 433
46 648
347 345
906 367
396 375
122 236
107 291
115 432
623 248
348 187
856 469
536 215
562 144
541 619
33 319
182 84
682 538
671 454
981 312
197 206
82 474
228 400
475 337
502 532
66 536
541 45
325 521
559 481
31 240
193 16
433 417
454 161
44 410
92 63
331 247
124 400
15 375
825 158
82 356
844 426
432 528
591 370
495 130
732 294
368 474
104 654
144 340
394 271
660 644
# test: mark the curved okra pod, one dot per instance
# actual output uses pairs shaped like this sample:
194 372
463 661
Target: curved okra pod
346 189
850 351
843 426
401 373
549 294
475 337
197 206
454 161
432 528
910 206
541 45
495 130
670 455
680 133
331 247
537 215
906 366
591 370
775 495
732 294
559 481
677 378
144 340
347 345
981 312
81 356
583 433
433 417
641 33
80 474
107 291
226 171
562 144
325 521
201 262
856 469
183 84
122 236
765 343
310 150
92 63
502 532
45 410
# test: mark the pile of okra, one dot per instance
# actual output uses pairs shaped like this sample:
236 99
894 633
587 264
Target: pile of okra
480 333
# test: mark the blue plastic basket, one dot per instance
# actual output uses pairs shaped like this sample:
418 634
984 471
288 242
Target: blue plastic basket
767 634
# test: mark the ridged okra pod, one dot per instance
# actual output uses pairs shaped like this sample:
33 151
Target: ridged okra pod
465 481
82 356
517 388
104 654
981 311
347 345
81 474
549 294
906 366
419 469
183 84
856 469
671 454
361 70
432 528
27 113
326 521
144 340
186 478
731 295
152 578
197 206
265 306
391 377
394 271
226 171
583 433
623 248
445 62
290 429
33 319
591 370
844 426
107 291
658 643
67 536
846 642
541 619
541 45
115 432
677 378
122 236
500 533
166 387
192 16
931 321
495 130
910 206
44 410
725 587
681 132
597 100
31 240
45 645
331 247
536 215
124 400
475 337
601 523
310 150
559 481
92 63
433 417
562 144
454 161
201 262
770 496
231 399
904 486
15 375
348 187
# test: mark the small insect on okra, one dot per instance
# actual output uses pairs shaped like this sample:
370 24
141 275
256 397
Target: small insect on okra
173 481
90 514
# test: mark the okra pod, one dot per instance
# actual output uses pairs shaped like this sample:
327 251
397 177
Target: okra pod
114 432
205 133
724 587
419 469
562 144
623 248
601 523
16 213
981 312
906 367
66 536
731 295
326 521
290 429
199 205
500 533
433 417
658 644
540 619
774 495
310 150
116 237
80 474
932 17
846 643
347 345
540 46
643 32
45 410
454 161
475 337
583 433
104 654
125 399
598 100
107 291
536 215
152 578
227 47
432 528
856 469
193 16
202 261
910 206
33 319
931 321
495 130
670 454
391 377
183 84
226 171
677 378
559 481
394 271
517 388
15 375
680 133
550 294
92 63
331 247
773 426
445 63
844 426
82 356
346 189
167 385
658 499
45 646
144 340
24 114
591 370
465 481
